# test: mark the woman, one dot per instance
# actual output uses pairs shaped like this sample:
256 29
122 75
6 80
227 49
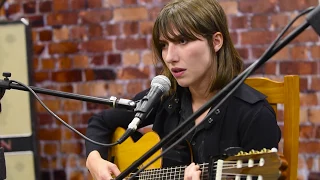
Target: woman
191 40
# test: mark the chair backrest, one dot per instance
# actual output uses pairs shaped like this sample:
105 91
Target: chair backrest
286 93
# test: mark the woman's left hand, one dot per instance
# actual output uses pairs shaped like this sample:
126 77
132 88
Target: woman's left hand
192 172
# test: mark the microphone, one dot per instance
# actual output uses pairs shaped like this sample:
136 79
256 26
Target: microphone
159 85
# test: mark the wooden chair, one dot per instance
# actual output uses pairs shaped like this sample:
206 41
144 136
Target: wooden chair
286 93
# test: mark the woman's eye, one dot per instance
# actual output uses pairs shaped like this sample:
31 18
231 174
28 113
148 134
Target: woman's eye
163 45
183 41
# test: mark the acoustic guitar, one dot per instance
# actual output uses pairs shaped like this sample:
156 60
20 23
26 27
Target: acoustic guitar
261 165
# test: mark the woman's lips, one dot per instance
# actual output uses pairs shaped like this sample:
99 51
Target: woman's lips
177 72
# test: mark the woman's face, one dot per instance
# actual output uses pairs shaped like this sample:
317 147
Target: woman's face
189 62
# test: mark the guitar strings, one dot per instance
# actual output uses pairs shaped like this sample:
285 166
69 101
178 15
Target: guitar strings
179 171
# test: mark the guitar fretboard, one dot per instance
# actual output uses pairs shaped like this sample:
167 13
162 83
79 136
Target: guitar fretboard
171 173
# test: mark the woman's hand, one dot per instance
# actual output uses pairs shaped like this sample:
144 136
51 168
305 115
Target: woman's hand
99 168
192 172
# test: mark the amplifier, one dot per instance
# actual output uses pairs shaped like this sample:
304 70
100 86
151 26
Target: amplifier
17 120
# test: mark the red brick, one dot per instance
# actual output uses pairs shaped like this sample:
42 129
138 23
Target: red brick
78 4
53 105
130 14
96 16
134 87
94 4
303 84
35 63
308 99
318 132
48 64
37 49
29 7
114 59
67 76
45 6
132 73
308 35
307 132
130 28
314 115
270 68
260 21
243 52
61 34
66 18
113 29
283 54
238 22
290 5
41 76
146 27
63 48
78 32
315 52
49 134
309 147
315 84
44 119
299 68
97 45
257 52
100 74
98 60
50 149
60 5
129 2
66 88
279 20
95 30
45 35
80 61
13 9
259 6
64 63
257 37
36 21
130 43
299 53
72 105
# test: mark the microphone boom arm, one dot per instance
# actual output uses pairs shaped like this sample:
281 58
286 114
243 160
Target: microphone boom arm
6 84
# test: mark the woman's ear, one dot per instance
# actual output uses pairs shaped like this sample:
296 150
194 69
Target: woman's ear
217 39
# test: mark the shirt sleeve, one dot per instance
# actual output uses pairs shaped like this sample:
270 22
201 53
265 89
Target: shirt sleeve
102 125
261 130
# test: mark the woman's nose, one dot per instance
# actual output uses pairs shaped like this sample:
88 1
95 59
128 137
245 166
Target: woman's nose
170 53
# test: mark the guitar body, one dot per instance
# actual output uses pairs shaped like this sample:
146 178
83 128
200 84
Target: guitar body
265 164
129 151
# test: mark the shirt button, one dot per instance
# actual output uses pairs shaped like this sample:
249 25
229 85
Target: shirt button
193 143
217 111
210 120
176 100
170 106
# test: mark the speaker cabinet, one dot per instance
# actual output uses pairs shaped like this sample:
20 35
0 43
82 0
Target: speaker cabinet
17 119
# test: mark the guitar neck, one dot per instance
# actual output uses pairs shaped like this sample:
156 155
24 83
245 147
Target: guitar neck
175 173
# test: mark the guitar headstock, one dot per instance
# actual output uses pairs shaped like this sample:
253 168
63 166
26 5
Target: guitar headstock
264 164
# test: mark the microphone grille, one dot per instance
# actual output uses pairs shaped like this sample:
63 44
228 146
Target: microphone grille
162 82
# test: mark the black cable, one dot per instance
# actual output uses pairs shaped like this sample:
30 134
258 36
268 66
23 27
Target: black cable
57 117
268 53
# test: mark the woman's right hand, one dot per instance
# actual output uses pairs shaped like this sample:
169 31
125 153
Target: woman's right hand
99 168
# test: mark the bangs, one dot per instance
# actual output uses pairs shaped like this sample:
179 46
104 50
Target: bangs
176 24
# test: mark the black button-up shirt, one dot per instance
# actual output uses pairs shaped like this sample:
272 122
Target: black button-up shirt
245 120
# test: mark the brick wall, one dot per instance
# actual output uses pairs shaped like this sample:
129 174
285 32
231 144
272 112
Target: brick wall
102 48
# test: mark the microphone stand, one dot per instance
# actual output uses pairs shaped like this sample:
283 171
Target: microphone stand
6 84
312 19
